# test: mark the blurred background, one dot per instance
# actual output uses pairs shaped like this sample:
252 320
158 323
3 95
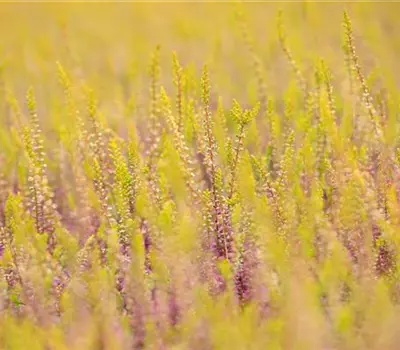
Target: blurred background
100 41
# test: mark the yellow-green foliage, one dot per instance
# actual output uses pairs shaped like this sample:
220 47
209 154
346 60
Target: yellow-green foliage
199 176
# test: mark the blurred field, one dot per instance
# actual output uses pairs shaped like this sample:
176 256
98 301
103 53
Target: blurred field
111 40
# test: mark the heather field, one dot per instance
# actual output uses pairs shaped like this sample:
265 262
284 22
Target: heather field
199 176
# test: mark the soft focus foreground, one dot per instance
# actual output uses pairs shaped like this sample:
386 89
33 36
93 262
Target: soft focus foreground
199 176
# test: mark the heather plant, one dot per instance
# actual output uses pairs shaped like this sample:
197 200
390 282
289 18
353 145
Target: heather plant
212 176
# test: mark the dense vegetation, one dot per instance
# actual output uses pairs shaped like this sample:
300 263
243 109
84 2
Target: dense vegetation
199 176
